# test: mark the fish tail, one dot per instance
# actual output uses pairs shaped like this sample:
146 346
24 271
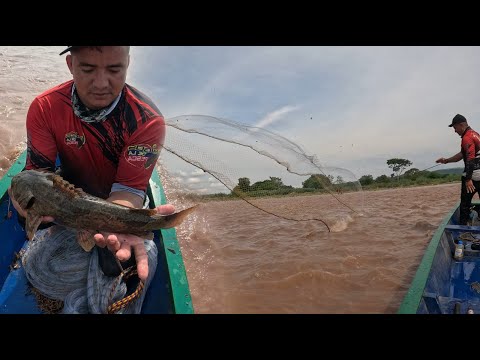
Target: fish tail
172 220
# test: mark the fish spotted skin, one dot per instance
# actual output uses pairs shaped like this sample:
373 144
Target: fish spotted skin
44 193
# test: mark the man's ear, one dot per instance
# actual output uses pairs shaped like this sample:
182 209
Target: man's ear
68 58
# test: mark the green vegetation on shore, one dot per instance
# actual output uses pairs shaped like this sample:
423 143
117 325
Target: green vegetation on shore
319 183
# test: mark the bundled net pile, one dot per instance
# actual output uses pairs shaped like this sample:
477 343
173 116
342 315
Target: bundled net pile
67 279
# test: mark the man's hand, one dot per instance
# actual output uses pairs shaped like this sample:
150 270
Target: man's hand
22 212
123 244
442 161
470 187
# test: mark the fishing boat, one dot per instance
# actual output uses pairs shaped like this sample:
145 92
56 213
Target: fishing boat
168 292
445 283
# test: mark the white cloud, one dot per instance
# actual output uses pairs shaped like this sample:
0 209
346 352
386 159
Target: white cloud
275 116
181 173
197 172
355 107
194 180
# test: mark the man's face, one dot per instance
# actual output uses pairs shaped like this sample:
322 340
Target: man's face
460 128
99 76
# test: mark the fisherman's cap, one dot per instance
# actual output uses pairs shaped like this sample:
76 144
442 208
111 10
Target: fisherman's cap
67 50
458 119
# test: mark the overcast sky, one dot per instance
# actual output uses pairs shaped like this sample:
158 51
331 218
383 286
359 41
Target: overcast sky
352 107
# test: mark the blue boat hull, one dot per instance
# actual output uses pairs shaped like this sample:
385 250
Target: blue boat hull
442 284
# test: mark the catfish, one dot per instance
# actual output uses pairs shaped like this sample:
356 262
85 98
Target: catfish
43 193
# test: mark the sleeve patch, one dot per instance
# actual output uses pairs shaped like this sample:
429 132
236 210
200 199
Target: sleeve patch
142 155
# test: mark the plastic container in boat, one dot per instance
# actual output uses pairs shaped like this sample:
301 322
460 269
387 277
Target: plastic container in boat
458 255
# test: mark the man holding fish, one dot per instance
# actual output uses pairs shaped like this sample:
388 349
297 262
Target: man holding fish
107 135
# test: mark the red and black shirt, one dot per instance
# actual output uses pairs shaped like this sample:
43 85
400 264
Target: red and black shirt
470 148
122 149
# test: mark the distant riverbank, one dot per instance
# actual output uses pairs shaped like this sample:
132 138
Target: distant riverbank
232 197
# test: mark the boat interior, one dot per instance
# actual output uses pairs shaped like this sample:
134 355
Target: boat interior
453 286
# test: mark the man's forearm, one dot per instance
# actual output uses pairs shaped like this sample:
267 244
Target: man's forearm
126 198
455 158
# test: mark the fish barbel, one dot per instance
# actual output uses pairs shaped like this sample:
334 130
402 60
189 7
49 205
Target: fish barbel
44 193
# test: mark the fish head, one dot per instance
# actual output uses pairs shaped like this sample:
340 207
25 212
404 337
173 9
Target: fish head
25 187
23 184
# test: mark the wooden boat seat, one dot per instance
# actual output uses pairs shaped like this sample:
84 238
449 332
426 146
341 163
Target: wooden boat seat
473 229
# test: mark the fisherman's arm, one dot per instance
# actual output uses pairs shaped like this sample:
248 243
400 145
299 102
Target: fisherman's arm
41 147
468 145
126 198
454 158
131 200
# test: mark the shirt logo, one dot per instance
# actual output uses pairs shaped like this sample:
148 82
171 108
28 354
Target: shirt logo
142 155
72 138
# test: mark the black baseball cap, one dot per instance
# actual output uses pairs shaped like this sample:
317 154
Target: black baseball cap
67 50
457 119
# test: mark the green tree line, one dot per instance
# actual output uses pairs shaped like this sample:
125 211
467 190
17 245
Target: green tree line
400 177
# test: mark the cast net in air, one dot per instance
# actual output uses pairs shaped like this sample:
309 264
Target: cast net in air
228 160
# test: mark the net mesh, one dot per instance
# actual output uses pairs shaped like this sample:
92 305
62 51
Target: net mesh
66 278
229 160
